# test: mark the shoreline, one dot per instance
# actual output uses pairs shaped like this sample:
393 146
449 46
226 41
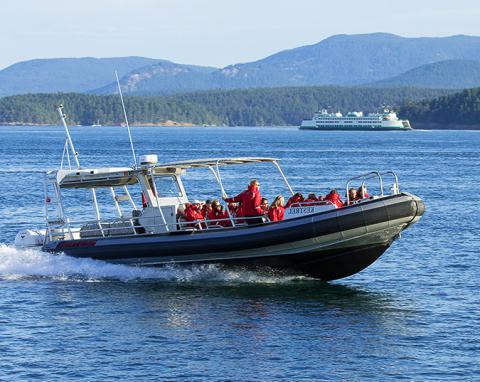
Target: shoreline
146 124
449 126
418 126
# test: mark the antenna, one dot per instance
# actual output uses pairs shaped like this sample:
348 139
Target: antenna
126 119
69 138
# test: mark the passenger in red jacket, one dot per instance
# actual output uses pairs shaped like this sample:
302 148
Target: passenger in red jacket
295 200
311 200
236 211
352 196
218 213
250 199
264 206
206 208
362 193
334 198
277 211
193 213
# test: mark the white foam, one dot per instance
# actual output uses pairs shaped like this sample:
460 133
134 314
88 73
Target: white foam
20 264
20 170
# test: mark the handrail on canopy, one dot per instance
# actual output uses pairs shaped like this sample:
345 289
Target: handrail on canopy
213 162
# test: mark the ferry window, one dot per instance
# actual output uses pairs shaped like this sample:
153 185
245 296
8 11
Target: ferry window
167 187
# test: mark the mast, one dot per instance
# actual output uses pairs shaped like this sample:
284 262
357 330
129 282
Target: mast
126 120
69 138
75 156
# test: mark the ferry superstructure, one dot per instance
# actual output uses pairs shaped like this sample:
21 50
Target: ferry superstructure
355 120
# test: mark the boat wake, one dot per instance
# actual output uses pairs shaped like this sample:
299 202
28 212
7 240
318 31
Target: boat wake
33 264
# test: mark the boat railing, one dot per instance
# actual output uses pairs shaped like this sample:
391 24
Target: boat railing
119 227
379 176
395 188
138 225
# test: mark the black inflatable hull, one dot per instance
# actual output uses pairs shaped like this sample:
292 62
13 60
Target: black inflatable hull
325 265
328 245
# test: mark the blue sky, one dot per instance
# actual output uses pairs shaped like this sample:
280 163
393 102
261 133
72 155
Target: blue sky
212 32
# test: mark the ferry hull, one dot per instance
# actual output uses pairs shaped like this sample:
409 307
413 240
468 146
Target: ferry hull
328 245
348 128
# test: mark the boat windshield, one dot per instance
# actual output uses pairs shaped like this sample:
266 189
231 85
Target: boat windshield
167 187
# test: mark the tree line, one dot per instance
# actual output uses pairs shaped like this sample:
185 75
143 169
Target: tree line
242 107
457 109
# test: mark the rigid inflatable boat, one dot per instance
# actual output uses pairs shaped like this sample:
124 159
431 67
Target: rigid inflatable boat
316 239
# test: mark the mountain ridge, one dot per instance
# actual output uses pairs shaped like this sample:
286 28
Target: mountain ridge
339 60
447 74
50 75
343 60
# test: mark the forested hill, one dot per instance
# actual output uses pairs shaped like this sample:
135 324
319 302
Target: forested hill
253 107
290 105
459 110
83 109
448 74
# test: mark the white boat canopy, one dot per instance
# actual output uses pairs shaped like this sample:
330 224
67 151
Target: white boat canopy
122 176
94 177
211 162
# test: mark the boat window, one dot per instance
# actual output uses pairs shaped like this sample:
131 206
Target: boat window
135 191
78 204
106 204
167 187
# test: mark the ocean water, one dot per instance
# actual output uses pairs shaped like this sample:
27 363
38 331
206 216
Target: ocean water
412 315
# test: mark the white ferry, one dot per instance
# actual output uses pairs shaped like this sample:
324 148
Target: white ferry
355 120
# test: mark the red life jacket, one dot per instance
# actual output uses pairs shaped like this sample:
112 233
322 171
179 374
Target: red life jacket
192 213
364 197
236 211
216 215
212 215
294 201
250 200
276 214
239 211
206 210
335 199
